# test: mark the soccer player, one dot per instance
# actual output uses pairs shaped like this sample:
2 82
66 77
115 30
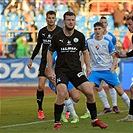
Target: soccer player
69 102
68 43
129 23
44 38
103 62
101 91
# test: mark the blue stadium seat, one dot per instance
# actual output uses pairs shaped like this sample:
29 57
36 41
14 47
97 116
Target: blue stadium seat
49 7
92 20
123 31
1 8
2 21
14 21
39 21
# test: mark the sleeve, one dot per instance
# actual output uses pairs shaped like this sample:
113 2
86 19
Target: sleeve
83 43
114 40
111 47
130 54
53 46
38 46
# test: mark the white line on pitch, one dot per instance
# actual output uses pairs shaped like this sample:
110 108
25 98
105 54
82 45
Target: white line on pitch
37 122
25 124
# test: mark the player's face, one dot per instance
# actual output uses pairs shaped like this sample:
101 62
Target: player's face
70 22
104 22
129 24
51 18
98 31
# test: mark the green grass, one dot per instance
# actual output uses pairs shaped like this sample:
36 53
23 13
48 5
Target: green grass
19 113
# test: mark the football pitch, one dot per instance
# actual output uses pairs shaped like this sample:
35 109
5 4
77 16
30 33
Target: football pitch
18 114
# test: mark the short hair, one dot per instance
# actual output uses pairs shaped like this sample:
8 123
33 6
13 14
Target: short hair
103 17
98 24
51 12
68 13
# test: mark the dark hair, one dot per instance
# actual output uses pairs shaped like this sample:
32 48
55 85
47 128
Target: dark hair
98 24
68 14
51 13
103 17
128 18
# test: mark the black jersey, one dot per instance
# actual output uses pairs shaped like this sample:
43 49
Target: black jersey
68 49
44 39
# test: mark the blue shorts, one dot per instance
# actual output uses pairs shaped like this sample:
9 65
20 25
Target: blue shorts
106 75
70 86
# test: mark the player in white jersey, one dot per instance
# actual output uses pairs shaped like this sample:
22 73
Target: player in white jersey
103 62
101 91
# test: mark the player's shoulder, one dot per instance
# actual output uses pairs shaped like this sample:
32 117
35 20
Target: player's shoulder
80 34
43 29
90 38
58 27
111 34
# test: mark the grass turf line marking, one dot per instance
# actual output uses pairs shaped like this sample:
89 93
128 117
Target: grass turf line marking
25 124
37 122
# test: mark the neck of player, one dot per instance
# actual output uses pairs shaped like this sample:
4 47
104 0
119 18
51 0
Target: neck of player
51 28
68 32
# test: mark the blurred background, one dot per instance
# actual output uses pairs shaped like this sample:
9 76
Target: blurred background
20 21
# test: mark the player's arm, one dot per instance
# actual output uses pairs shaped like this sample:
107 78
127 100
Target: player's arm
86 57
51 73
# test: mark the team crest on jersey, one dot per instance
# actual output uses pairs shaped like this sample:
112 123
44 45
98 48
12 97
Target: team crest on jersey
97 47
75 40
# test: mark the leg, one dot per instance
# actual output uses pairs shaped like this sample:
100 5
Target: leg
103 97
129 117
59 103
87 89
113 95
40 95
87 114
123 95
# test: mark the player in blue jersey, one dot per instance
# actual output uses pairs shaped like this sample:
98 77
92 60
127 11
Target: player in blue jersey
103 62
129 23
69 102
101 91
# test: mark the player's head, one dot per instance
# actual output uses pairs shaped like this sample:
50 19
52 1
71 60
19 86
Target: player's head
98 29
51 18
69 20
103 20
129 23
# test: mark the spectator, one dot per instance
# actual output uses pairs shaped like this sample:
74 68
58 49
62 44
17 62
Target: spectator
33 34
127 42
118 13
22 47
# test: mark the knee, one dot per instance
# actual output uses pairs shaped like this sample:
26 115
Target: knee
41 87
76 98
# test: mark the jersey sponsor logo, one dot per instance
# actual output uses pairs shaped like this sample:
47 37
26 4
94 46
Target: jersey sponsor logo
68 49
75 40
97 47
80 74
46 41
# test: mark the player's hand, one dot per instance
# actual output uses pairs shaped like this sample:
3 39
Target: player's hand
88 72
118 55
112 69
29 65
51 75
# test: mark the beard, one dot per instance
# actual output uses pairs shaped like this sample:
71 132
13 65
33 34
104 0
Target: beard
69 28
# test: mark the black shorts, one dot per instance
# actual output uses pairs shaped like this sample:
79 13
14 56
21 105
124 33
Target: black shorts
76 77
42 69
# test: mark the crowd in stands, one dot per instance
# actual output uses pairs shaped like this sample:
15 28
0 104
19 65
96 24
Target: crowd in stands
29 15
